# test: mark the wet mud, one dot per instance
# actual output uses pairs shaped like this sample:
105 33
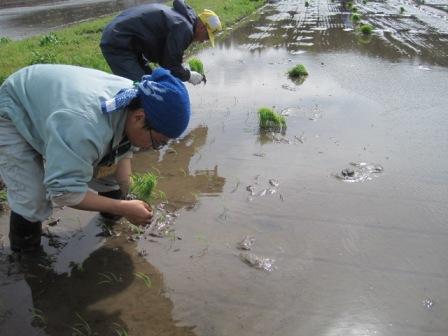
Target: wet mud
350 258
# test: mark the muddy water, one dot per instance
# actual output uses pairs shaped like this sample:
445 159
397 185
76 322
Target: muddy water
19 19
363 258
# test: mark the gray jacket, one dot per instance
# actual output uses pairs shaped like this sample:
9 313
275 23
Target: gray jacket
158 32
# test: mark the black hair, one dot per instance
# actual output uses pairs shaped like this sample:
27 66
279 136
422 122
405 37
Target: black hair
136 104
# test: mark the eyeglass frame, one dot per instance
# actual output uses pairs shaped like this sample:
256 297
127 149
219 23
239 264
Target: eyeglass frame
155 144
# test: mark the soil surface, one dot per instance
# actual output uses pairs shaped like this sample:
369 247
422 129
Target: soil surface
345 211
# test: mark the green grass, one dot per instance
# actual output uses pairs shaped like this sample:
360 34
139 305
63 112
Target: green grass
269 119
298 71
142 185
366 29
196 65
79 44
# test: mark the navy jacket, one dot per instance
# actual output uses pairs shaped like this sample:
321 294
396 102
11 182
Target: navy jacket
158 32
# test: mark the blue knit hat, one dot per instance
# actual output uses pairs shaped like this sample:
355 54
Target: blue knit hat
165 101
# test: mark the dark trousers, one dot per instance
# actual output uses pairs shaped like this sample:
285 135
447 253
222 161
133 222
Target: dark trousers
126 64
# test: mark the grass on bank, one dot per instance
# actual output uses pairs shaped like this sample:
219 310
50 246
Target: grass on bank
79 43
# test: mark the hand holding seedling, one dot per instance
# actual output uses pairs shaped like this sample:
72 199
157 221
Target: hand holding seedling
137 212
197 74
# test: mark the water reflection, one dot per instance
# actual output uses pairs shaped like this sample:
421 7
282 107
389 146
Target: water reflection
106 294
178 181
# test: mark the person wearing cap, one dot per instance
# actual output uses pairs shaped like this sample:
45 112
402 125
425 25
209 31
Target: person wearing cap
65 130
156 33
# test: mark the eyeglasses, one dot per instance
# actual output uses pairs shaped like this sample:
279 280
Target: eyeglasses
155 144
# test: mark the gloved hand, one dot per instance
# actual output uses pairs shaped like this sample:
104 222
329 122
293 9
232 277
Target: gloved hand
195 78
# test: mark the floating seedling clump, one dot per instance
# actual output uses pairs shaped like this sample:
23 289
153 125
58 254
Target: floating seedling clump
271 120
298 71
196 65
355 18
143 185
366 29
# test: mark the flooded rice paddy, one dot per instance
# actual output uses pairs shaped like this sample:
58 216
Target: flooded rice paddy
261 234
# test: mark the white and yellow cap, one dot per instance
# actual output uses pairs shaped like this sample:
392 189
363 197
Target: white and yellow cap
212 23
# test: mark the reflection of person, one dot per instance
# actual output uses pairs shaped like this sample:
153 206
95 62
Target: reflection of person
156 33
64 129
183 185
94 295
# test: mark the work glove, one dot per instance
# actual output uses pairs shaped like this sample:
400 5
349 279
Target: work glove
195 78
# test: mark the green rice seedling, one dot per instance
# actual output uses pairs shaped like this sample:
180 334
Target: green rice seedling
196 65
402 10
146 279
366 29
38 317
119 330
364 2
3 196
354 10
81 328
270 119
108 278
298 71
49 39
355 18
349 5
307 4
142 185
136 229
